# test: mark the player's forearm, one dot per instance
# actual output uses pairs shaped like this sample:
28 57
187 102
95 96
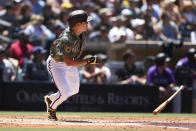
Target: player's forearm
13 77
141 80
163 37
90 75
77 63
74 62
95 74
125 81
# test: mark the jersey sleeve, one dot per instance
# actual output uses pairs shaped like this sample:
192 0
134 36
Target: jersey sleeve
149 77
63 47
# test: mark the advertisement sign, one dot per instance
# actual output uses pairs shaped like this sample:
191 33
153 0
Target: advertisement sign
92 97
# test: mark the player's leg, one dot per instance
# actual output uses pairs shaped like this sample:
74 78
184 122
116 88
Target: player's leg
47 99
57 71
67 83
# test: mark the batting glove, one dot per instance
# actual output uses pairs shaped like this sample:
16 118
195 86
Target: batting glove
93 60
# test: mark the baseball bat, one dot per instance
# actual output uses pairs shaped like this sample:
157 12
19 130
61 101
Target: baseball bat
163 105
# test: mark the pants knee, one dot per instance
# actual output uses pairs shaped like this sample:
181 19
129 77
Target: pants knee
67 94
76 91
73 92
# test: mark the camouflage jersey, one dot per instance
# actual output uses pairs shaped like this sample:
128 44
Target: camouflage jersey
67 44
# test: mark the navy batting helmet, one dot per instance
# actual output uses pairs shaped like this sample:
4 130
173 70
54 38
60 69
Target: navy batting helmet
191 53
77 16
160 59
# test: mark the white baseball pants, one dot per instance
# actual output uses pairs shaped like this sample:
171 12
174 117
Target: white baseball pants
66 79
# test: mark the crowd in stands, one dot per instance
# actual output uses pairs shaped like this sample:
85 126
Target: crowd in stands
112 20
28 27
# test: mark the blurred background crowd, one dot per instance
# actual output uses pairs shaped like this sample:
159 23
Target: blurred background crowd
28 27
112 20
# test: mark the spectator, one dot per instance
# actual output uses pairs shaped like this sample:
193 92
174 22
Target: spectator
90 73
48 14
132 72
105 15
186 65
37 6
62 20
167 28
36 68
152 5
124 4
99 36
188 14
9 19
89 8
120 33
55 5
149 30
39 34
7 71
8 13
193 34
135 7
77 3
21 49
4 42
128 14
67 6
106 75
25 15
138 26
173 11
162 77
16 7
187 11
3 3
114 5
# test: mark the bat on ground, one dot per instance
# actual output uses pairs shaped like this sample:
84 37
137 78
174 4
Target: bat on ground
163 105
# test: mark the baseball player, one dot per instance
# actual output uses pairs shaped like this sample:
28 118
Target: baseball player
64 59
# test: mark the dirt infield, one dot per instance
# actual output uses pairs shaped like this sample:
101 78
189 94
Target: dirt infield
135 123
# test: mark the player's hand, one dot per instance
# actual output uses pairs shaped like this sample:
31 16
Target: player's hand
93 60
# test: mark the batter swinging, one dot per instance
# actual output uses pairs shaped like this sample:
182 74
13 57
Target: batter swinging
64 59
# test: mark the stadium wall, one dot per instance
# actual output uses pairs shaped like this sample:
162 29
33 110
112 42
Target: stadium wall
28 96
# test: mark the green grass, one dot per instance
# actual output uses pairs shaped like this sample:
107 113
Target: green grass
99 114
